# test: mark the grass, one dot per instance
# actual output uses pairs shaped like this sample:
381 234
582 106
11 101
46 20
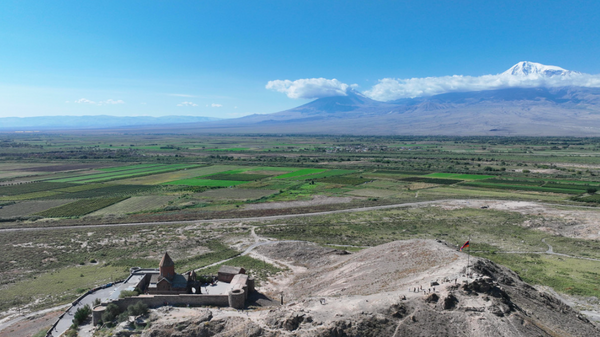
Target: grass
563 274
80 207
524 188
329 173
58 287
206 182
236 176
135 204
343 180
29 196
11 190
160 178
30 207
236 193
230 149
260 270
458 176
301 172
133 171
438 181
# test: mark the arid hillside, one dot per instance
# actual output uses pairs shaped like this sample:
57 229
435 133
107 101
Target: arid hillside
403 288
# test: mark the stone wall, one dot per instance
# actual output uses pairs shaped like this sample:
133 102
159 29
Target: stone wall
154 301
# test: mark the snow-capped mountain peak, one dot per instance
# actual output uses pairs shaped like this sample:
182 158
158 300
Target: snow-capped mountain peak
527 69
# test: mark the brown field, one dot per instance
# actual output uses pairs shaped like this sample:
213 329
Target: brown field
135 204
15 174
236 193
30 207
65 167
176 175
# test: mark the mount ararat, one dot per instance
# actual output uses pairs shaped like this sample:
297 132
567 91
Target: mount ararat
545 105
529 99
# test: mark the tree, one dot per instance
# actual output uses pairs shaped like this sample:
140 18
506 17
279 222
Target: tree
592 190
111 312
81 315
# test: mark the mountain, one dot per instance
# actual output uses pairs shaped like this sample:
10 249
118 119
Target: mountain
532 99
92 122
531 110
525 68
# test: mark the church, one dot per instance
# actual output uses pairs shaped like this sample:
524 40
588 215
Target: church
166 281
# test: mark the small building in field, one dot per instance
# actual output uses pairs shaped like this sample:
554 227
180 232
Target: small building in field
226 273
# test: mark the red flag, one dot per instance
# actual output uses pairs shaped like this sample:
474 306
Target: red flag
465 245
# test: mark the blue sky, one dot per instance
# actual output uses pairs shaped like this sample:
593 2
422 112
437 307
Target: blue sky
214 58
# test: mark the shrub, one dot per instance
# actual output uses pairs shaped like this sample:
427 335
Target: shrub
592 190
111 312
140 308
82 314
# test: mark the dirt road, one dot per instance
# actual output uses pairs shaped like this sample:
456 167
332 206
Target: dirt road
277 217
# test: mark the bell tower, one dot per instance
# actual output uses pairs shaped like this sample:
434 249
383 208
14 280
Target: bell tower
167 267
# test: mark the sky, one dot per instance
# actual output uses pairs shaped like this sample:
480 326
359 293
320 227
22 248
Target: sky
228 59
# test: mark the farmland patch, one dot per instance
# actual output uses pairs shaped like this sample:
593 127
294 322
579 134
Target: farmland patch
236 194
373 192
136 204
459 176
301 172
329 173
206 182
161 178
236 176
30 207
432 180
343 180
79 207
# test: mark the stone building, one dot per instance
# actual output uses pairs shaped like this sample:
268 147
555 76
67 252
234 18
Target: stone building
165 280
226 273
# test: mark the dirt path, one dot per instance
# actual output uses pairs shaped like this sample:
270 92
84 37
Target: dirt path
286 216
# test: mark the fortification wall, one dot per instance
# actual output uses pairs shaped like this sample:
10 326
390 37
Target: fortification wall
154 301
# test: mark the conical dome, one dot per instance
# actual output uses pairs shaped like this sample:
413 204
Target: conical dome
166 261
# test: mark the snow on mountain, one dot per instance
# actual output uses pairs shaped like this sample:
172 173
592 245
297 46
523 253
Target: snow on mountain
533 69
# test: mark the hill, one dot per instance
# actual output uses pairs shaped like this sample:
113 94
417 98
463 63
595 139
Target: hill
372 293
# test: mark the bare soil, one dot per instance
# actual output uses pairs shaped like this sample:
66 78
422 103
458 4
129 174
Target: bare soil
316 201
574 223
372 293
31 325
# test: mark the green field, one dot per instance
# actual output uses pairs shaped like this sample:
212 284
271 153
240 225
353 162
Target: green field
438 181
130 172
236 176
80 207
458 176
301 172
328 173
206 182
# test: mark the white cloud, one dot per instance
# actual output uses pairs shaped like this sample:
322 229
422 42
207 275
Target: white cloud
392 88
215 105
85 101
108 101
187 104
309 88
112 101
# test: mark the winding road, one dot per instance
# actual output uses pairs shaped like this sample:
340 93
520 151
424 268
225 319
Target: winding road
258 241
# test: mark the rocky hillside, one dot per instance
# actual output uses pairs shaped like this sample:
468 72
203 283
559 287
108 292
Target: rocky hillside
372 293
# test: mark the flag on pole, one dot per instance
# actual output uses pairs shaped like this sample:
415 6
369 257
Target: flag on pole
465 245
